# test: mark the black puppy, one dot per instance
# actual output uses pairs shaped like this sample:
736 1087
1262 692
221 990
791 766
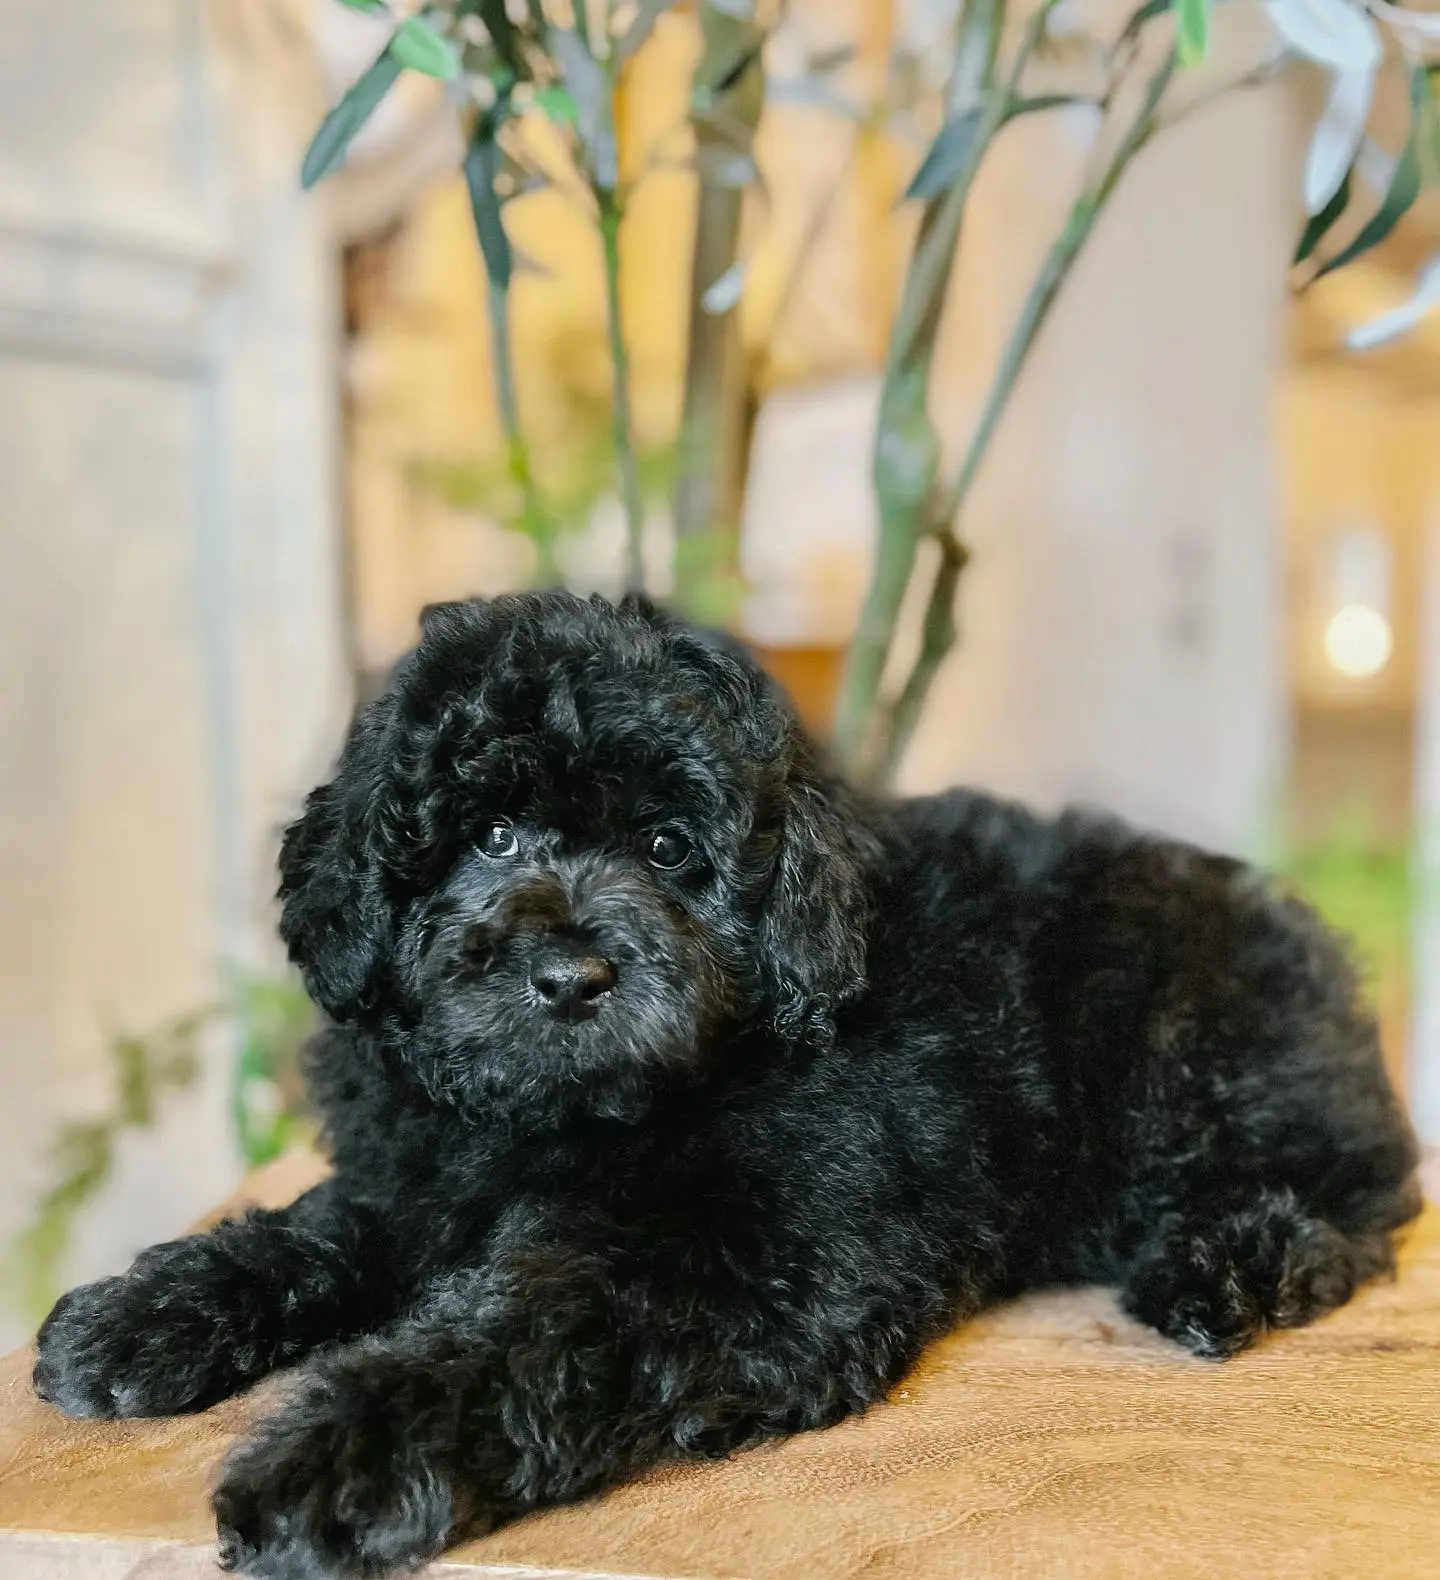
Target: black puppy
678 1095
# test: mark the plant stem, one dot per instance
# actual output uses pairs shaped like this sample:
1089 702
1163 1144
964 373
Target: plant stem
539 527
610 207
709 492
896 723
582 22
906 445
937 637
1052 275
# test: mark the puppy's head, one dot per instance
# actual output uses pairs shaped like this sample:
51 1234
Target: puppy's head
569 849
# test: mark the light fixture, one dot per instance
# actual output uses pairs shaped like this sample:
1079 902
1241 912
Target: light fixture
1358 636
1358 641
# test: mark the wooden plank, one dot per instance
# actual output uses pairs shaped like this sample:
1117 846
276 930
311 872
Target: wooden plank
1051 1437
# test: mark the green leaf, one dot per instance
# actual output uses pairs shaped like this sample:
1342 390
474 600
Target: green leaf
1153 8
1404 185
365 5
1430 121
836 58
502 34
482 163
1404 189
557 104
338 129
1043 101
1319 224
732 70
948 156
708 585
1147 13
417 45
1192 35
132 1076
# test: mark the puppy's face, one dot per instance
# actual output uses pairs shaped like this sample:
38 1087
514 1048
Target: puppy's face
570 849
584 915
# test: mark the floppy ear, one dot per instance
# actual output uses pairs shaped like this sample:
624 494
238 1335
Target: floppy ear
815 918
335 920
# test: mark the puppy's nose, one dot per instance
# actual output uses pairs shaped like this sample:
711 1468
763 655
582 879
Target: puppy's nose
570 979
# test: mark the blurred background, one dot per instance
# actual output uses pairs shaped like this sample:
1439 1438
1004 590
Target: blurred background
247 431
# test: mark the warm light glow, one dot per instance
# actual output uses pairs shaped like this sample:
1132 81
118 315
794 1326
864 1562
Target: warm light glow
1358 641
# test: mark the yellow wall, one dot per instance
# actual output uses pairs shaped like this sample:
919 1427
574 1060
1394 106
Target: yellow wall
420 380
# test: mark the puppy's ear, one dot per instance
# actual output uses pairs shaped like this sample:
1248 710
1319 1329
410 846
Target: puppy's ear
455 617
334 919
816 916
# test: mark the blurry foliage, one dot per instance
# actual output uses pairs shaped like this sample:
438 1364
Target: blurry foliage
270 1021
576 478
83 1154
1364 886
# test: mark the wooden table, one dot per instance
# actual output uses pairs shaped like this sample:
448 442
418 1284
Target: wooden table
1052 1438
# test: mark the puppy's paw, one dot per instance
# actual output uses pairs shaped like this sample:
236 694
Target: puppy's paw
160 1340
1190 1287
332 1489
1216 1287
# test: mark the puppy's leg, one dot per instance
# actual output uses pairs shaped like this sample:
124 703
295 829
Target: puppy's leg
1234 1081
538 1385
198 1319
1214 1279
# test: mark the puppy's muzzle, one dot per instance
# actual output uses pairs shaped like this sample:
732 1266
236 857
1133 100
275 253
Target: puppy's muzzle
570 979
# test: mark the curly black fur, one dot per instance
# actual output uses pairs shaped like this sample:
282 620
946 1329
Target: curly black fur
645 1150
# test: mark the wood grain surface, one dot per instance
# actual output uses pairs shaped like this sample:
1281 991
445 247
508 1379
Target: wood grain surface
1051 1438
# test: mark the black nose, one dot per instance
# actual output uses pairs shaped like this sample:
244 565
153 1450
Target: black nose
570 979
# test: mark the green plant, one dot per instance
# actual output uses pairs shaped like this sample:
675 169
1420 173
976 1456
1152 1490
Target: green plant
506 63
267 1022
1364 886
576 477
565 60
82 1155
272 1018
917 502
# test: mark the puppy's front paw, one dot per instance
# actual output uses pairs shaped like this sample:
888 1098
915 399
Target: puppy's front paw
159 1340
332 1489
84 1348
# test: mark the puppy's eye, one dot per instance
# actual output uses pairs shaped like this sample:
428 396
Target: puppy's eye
668 849
499 841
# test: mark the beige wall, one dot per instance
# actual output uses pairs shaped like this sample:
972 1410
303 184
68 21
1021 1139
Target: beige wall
1121 618
171 666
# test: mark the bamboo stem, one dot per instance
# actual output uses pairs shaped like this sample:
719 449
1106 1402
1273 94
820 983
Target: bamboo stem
906 446
538 525
896 722
709 491
937 637
610 213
